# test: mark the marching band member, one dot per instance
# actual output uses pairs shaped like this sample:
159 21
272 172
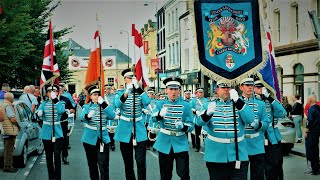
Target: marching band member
147 115
254 132
132 134
196 106
64 124
95 115
226 153
50 112
112 123
175 120
273 155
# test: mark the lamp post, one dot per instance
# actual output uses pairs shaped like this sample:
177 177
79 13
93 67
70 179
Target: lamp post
116 65
121 32
158 77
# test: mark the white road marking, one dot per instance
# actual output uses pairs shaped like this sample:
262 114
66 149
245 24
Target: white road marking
26 173
201 152
153 154
31 165
34 159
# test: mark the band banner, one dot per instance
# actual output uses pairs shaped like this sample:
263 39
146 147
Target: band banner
231 41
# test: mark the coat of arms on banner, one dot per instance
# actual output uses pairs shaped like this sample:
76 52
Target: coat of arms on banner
229 37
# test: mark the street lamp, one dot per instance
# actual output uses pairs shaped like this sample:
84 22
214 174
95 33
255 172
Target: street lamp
116 64
121 32
146 3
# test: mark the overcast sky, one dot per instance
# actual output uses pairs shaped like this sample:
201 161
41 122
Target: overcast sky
114 15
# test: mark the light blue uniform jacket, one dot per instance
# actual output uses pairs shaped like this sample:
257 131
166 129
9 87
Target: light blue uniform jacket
125 128
178 110
256 145
221 125
197 104
46 107
91 131
274 110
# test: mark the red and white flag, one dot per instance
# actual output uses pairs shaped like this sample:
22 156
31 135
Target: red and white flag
140 59
50 70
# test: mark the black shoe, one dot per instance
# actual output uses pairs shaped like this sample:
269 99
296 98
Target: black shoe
315 172
10 170
299 141
113 148
69 147
65 160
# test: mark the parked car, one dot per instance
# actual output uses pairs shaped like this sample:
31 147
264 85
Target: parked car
288 132
27 140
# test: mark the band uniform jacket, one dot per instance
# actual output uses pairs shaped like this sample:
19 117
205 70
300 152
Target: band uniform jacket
274 110
58 109
125 126
220 141
91 131
169 136
255 137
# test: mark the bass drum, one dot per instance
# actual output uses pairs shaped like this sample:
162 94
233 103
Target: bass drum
112 125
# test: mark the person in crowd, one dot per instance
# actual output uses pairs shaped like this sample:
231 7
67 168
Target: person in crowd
65 93
254 132
312 134
146 113
175 119
95 136
226 152
296 114
37 95
10 131
50 111
5 88
286 105
28 98
307 106
75 98
131 131
112 123
82 98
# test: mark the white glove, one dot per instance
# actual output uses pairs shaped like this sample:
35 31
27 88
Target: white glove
197 112
71 115
118 111
100 100
234 95
91 113
40 113
265 92
163 111
211 108
67 111
146 111
179 125
117 117
255 124
53 95
129 87
135 82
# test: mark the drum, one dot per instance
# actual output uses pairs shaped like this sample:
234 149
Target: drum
153 127
112 125
70 123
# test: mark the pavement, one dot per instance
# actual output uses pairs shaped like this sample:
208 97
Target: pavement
299 148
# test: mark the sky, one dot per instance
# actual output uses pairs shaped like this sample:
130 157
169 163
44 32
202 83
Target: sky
113 15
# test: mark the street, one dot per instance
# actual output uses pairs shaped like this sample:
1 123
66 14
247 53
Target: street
294 166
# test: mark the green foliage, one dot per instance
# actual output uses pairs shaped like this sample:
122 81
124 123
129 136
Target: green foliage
23 32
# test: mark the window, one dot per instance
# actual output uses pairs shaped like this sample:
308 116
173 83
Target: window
170 55
111 81
299 79
276 25
164 38
186 28
163 22
177 19
169 24
318 8
172 21
178 53
297 22
186 52
318 81
173 54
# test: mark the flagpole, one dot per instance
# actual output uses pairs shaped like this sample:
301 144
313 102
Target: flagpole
52 80
100 87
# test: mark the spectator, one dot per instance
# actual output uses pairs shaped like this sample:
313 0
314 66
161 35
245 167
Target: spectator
296 115
312 134
306 108
286 105
82 98
11 129
75 98
37 95
5 88
28 98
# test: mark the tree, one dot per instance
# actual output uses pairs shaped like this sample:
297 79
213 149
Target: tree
23 32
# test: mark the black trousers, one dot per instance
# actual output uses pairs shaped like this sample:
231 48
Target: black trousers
97 159
227 171
273 162
140 156
198 132
166 165
256 166
193 140
312 150
111 135
65 144
53 149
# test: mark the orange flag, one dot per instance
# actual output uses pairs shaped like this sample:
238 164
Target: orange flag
95 67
